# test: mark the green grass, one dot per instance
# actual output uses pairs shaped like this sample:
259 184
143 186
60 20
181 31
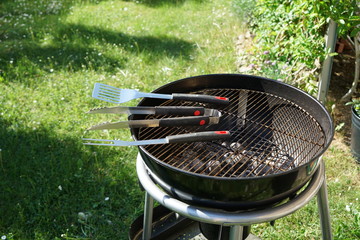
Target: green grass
52 53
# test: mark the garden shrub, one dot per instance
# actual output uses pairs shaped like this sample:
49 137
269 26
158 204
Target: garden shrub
288 35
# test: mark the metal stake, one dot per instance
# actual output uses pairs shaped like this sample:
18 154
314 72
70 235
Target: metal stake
324 82
325 75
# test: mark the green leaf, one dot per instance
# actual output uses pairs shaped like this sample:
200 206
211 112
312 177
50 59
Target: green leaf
339 127
354 32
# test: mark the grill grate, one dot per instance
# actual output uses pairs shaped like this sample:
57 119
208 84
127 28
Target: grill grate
269 135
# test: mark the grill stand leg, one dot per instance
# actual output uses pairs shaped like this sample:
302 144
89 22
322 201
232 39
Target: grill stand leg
148 215
317 187
323 206
236 232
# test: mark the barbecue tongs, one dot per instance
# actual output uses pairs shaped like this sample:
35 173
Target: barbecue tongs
209 116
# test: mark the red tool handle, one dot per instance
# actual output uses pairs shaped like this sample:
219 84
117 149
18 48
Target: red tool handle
184 121
179 110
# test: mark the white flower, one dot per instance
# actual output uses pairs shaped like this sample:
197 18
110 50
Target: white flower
347 208
51 70
166 69
60 187
3 237
107 199
82 216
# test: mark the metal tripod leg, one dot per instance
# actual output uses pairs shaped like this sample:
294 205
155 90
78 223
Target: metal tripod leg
148 215
323 207
236 232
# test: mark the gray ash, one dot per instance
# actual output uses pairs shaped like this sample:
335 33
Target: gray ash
233 159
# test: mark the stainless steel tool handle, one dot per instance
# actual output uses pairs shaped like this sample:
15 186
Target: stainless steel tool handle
198 136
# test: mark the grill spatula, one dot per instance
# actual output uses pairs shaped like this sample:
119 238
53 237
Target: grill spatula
116 95
181 138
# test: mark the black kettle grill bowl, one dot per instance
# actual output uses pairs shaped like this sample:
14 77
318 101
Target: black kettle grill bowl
255 188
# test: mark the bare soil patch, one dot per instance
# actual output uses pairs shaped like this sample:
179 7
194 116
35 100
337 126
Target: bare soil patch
341 81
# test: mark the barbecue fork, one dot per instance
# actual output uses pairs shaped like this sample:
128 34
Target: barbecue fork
180 138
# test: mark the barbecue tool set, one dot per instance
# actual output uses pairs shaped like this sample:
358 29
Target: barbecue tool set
191 116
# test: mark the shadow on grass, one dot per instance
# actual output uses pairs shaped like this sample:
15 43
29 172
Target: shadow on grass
159 3
154 47
46 180
45 44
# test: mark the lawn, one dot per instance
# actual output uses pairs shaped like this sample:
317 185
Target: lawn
52 53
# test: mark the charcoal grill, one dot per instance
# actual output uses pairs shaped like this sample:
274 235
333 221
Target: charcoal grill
277 131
